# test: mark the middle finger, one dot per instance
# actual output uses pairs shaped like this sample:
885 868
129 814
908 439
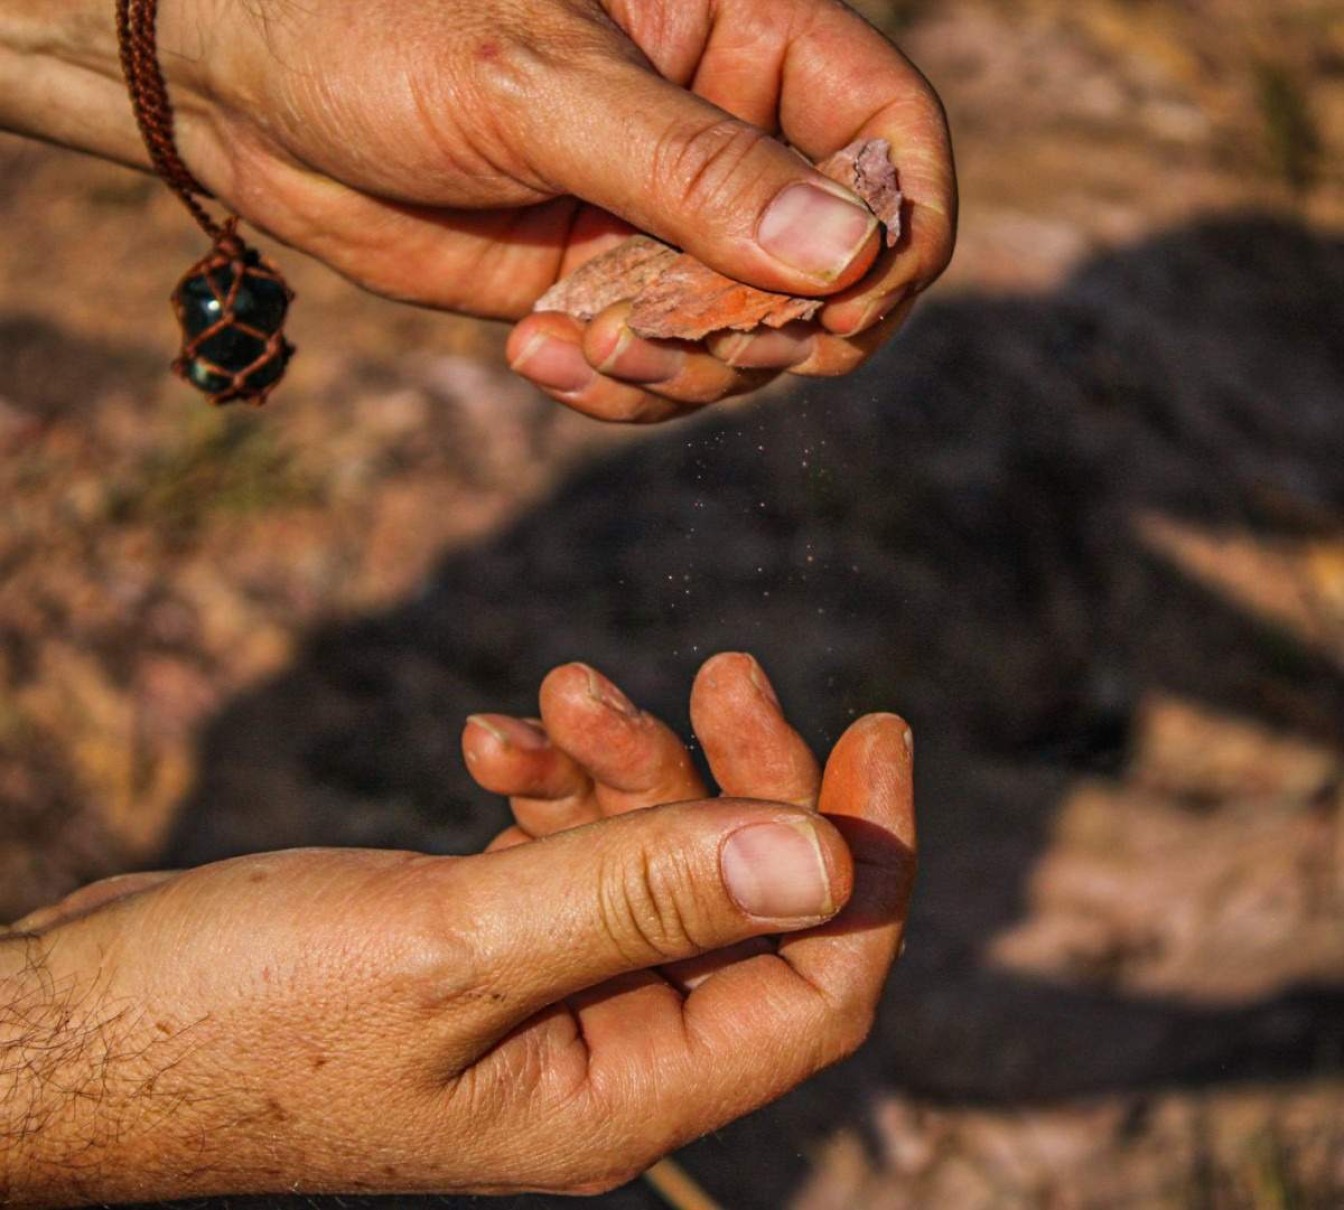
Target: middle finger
634 759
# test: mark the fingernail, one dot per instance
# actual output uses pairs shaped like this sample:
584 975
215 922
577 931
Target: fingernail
602 690
512 732
813 231
776 870
758 678
773 350
552 363
636 360
727 348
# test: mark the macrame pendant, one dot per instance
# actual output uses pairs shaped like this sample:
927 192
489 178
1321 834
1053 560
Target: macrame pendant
231 307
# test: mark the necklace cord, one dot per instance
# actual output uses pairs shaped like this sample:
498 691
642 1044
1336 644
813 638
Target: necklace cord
137 42
231 304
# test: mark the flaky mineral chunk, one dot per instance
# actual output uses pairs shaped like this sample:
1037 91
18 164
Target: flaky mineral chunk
674 295
615 275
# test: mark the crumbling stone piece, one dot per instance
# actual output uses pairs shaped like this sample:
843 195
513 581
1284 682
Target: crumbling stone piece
674 295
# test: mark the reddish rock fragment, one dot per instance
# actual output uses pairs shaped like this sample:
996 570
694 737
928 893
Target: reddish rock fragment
689 300
617 274
676 296
866 168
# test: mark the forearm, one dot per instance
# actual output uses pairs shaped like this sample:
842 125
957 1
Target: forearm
82 1113
49 1055
60 73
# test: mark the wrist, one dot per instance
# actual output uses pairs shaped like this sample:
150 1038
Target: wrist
96 1092
61 78
51 1050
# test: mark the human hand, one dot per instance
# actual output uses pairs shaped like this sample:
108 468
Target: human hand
594 755
550 1015
464 154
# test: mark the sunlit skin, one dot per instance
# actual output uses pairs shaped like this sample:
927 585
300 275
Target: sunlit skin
464 154
554 1014
560 1011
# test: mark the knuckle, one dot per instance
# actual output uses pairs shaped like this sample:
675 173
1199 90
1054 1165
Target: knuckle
703 165
646 909
506 65
438 962
512 58
509 70
446 968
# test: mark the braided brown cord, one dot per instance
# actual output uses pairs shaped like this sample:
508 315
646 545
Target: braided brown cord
233 343
136 22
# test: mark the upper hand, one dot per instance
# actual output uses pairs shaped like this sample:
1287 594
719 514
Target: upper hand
550 1015
466 154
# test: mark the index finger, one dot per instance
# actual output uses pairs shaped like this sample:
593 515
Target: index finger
842 80
817 72
812 69
867 794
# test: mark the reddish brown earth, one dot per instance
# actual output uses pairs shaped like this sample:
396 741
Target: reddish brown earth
1083 523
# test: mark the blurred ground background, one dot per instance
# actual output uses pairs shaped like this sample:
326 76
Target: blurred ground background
1083 524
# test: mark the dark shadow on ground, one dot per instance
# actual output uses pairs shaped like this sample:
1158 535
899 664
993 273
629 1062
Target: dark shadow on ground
949 533
50 372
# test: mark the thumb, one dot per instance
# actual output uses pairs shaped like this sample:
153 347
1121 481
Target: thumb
646 888
686 171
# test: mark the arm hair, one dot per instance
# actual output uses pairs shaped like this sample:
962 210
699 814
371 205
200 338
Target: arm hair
68 1065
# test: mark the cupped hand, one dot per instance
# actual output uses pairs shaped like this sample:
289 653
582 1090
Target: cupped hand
554 1015
465 154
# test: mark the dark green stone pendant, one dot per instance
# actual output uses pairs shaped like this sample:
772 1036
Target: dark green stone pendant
231 307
